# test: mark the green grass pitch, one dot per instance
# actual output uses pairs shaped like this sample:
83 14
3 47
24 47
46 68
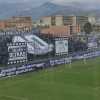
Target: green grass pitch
78 81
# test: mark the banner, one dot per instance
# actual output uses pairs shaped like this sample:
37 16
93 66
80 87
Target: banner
44 64
59 61
19 70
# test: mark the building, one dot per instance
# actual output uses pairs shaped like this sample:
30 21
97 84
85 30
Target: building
46 21
52 20
20 23
81 19
61 31
2 24
60 20
76 23
17 23
57 31
75 29
75 20
96 27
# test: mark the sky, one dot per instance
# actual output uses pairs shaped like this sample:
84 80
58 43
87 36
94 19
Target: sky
59 1
43 1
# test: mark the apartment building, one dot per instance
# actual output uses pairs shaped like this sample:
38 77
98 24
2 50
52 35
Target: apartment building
46 21
69 20
20 23
60 20
2 24
81 19
61 31
96 27
17 23
56 31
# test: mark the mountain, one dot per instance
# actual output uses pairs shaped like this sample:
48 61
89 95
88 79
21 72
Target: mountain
48 8
13 9
52 9
74 8
43 10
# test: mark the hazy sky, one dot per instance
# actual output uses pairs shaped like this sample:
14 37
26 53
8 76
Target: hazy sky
75 0
56 1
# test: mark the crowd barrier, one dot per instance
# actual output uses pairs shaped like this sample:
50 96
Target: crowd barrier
11 71
7 72
87 55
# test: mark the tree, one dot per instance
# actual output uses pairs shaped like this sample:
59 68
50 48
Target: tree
88 28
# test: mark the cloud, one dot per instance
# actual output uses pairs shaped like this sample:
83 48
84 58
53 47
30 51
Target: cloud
66 1
59 1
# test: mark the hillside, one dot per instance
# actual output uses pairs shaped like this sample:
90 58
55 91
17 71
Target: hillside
48 8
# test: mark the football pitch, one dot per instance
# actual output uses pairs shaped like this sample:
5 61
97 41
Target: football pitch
78 81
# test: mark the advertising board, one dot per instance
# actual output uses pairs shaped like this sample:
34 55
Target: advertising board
60 61
32 67
61 46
